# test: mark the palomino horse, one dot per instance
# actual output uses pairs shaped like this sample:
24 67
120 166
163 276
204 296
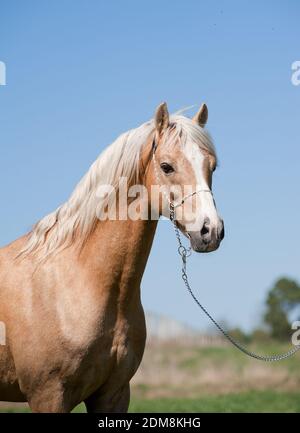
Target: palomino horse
70 289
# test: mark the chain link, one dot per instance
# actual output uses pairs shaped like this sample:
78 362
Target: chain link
185 253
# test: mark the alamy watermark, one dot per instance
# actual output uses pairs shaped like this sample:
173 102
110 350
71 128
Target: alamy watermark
296 334
2 334
2 74
136 202
295 79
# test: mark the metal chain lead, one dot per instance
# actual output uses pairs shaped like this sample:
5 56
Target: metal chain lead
185 253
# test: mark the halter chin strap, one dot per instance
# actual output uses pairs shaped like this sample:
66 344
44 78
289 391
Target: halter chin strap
157 175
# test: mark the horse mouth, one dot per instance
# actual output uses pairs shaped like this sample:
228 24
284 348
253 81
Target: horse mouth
201 247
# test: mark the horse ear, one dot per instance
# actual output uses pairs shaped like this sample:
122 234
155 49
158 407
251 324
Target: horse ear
201 117
161 118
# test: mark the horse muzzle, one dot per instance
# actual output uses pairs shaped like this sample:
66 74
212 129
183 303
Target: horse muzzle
208 239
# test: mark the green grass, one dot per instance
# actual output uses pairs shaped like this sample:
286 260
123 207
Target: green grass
264 401
254 401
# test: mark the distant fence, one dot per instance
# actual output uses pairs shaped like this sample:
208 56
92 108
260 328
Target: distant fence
197 340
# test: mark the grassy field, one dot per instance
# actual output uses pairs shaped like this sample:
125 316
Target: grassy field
254 401
189 377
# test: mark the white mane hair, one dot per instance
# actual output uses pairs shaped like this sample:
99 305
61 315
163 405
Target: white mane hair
77 217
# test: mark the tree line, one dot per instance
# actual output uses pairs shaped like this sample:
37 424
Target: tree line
282 308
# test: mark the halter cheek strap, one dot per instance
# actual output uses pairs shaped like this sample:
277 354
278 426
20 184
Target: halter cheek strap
191 195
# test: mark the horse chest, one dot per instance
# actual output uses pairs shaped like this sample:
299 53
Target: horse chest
111 360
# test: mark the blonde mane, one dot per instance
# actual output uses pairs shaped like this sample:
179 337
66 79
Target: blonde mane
77 217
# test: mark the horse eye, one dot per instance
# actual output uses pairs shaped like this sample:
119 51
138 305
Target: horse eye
166 168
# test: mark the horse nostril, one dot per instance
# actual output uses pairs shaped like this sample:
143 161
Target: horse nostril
222 234
205 228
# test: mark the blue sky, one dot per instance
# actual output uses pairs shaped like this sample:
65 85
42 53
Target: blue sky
80 73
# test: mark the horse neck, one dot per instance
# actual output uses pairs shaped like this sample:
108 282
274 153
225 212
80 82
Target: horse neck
117 253
118 250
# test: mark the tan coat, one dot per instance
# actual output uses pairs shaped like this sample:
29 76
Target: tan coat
75 324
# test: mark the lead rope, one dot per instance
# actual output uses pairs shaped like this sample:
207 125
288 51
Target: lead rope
185 253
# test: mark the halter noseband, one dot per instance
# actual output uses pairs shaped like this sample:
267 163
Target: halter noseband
157 175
